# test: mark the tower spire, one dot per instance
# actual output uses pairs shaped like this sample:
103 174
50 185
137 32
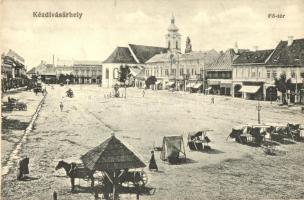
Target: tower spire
172 19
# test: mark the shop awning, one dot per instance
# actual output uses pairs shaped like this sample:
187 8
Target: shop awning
226 85
197 85
189 85
250 89
209 88
212 82
170 83
158 82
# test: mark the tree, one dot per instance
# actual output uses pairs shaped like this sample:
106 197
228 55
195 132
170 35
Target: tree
283 85
123 75
151 80
71 77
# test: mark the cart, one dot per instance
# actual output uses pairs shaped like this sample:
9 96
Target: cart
13 104
199 141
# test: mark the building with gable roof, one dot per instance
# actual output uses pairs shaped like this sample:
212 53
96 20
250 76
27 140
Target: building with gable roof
254 72
287 58
219 73
249 71
13 70
133 56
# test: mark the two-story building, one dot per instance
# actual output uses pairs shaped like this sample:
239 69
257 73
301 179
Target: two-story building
177 70
181 71
13 70
79 71
287 58
254 72
219 73
249 74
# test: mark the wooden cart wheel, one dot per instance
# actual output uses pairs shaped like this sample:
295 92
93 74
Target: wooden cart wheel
144 178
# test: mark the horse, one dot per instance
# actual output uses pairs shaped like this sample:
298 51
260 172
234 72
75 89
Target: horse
74 170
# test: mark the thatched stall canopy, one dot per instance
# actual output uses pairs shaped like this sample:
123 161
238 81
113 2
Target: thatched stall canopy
111 155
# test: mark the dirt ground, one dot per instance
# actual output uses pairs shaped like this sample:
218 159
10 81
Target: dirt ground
229 171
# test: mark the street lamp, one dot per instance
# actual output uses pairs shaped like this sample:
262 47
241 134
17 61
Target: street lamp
259 108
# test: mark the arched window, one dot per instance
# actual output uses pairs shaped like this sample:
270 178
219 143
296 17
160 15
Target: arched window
115 73
107 73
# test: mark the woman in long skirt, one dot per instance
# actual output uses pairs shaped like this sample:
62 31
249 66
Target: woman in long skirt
152 165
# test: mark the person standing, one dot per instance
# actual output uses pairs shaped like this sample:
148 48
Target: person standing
61 106
23 168
143 93
152 164
212 100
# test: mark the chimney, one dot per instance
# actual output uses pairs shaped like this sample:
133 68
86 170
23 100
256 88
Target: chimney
255 48
236 48
290 40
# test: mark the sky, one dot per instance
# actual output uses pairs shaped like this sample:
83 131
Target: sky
106 24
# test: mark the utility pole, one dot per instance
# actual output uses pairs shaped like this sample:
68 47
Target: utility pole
296 101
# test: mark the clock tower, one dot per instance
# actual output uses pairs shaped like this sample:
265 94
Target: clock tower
173 38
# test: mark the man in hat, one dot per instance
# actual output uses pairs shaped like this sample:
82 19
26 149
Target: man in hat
152 165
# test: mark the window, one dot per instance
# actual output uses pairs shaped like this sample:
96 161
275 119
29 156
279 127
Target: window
176 44
293 74
115 73
188 71
166 72
168 44
268 74
192 71
107 73
274 74
181 71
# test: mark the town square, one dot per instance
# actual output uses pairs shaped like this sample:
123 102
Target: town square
170 119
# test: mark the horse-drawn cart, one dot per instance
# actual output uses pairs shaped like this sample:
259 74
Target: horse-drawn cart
70 93
113 165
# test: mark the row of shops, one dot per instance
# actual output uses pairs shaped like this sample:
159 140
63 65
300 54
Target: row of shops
72 72
13 71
